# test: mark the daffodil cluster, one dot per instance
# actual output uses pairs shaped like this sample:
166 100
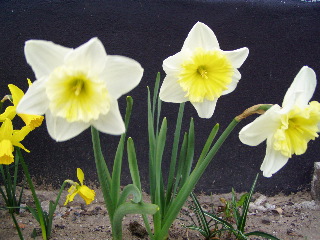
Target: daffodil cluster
8 136
78 88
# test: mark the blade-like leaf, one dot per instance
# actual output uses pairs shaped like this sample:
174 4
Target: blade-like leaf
190 153
133 165
117 163
130 208
174 154
246 206
128 190
200 214
262 234
103 172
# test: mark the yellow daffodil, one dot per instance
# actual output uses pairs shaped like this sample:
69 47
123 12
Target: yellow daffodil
77 88
86 193
32 121
10 138
288 129
201 72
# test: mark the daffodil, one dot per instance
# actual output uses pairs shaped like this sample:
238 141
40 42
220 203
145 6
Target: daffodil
201 72
86 193
78 88
10 138
32 121
289 128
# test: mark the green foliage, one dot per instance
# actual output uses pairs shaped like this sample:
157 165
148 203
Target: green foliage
115 200
11 196
212 225
182 177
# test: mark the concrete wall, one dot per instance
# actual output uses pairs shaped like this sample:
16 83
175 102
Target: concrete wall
282 36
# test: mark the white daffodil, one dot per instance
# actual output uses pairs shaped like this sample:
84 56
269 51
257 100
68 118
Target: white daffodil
77 88
289 128
201 72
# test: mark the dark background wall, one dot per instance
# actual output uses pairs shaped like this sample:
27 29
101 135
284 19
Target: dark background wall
282 36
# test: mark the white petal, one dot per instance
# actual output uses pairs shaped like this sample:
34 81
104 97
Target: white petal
301 89
44 56
35 101
237 57
235 79
112 122
273 160
172 64
171 90
261 128
121 74
61 130
201 36
90 56
206 108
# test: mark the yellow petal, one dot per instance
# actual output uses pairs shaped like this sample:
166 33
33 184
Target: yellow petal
17 94
19 135
6 149
6 129
86 193
72 193
10 113
32 121
80 175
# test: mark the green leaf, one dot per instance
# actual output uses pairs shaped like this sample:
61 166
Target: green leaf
34 213
174 154
130 208
262 234
242 200
152 146
201 216
190 153
103 172
182 156
34 195
117 164
235 209
218 219
128 190
194 177
133 165
246 206
159 192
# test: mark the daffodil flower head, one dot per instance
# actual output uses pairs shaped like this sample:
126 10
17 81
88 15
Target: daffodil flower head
84 192
289 128
32 121
78 88
10 138
201 72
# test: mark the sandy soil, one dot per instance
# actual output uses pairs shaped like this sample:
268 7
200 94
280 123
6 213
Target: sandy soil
291 217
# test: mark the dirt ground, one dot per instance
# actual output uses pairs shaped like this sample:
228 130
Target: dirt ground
291 217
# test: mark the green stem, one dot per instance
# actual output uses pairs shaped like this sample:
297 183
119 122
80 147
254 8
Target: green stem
191 182
51 211
34 195
17 225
